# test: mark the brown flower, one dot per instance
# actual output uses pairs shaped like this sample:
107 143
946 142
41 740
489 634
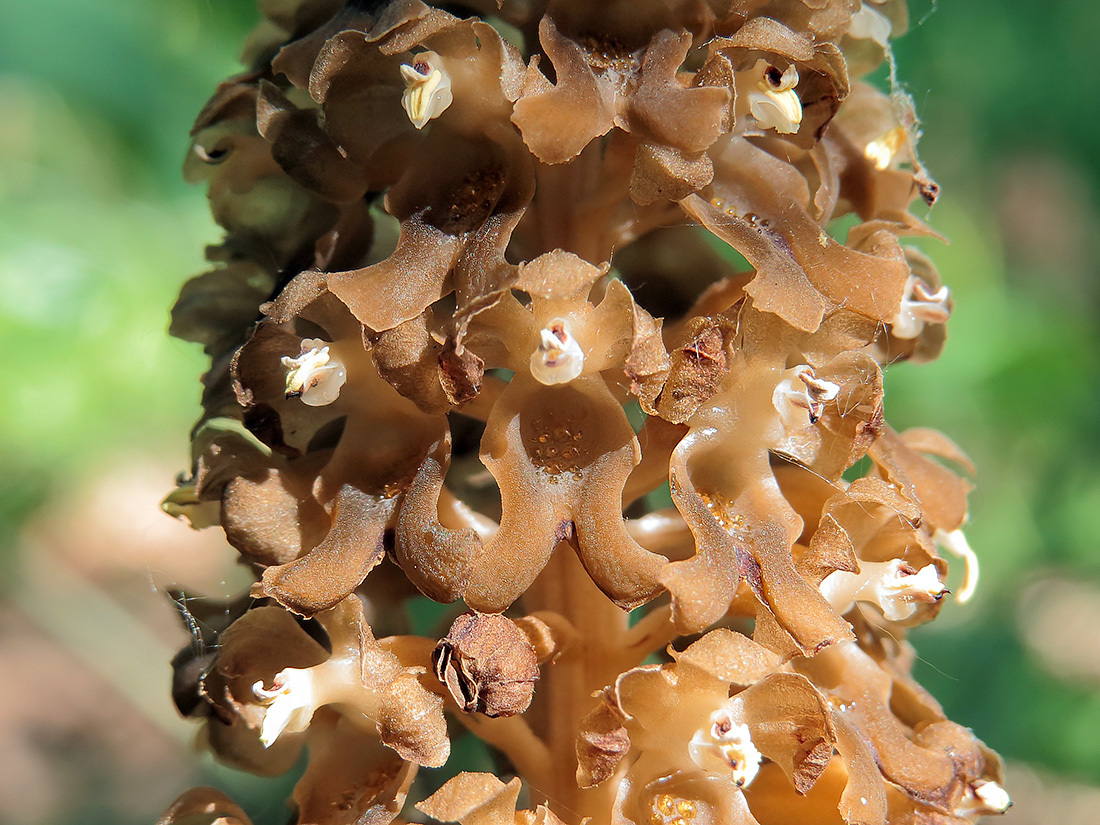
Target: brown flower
321 403
557 442
366 684
702 726
487 664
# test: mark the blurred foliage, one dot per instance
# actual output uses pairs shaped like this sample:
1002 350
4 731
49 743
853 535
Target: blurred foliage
97 232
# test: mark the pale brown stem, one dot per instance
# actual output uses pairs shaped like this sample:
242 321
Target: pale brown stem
653 632
565 690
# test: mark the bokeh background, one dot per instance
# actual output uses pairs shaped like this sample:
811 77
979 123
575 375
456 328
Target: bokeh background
97 232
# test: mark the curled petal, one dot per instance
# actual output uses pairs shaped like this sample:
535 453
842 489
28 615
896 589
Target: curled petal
204 806
561 456
335 567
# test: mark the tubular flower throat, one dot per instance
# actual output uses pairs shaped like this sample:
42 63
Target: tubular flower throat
481 332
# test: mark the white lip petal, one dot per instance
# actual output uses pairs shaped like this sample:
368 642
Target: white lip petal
955 543
770 96
725 747
427 89
315 375
290 704
800 397
893 585
869 24
559 358
918 307
781 111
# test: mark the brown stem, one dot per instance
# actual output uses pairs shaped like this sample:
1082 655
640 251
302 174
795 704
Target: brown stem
565 691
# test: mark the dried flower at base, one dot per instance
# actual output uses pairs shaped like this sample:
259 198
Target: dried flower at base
487 665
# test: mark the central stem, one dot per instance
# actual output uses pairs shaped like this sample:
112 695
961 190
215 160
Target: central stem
590 662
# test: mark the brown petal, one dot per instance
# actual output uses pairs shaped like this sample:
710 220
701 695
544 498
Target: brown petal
781 285
667 113
558 275
335 567
352 779
268 516
304 150
729 657
940 493
204 806
862 691
800 269
864 799
697 368
360 91
602 742
474 799
561 456
408 357
558 121
403 285
436 559
748 535
663 173
410 720
218 308
791 725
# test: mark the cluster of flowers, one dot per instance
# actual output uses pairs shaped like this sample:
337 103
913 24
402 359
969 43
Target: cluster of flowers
438 369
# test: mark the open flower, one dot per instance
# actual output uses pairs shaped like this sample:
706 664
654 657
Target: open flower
365 684
626 77
699 730
937 765
344 447
457 189
724 486
557 442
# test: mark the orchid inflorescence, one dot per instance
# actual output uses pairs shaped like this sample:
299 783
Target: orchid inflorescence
477 335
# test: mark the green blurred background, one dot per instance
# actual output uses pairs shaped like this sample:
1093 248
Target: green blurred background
97 232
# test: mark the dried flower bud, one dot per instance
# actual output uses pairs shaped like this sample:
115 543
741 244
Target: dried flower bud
487 664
